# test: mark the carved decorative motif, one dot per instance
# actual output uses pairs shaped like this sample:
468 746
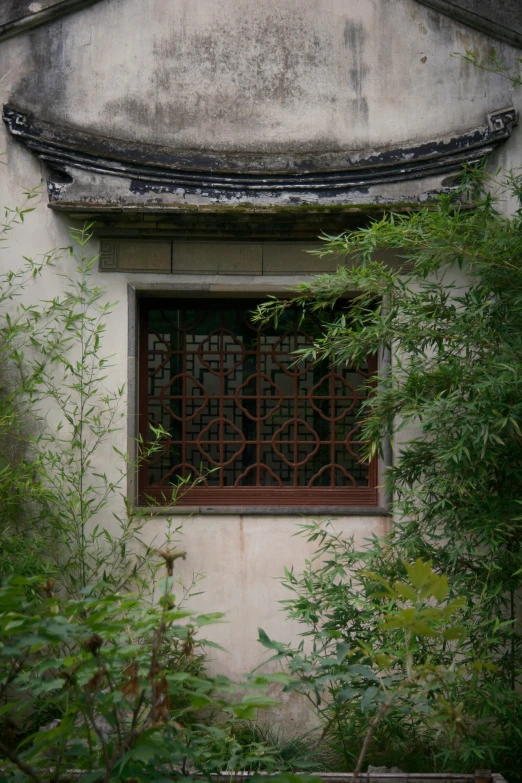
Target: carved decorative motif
502 121
109 255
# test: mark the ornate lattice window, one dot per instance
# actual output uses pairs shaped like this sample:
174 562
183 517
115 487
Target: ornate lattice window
271 432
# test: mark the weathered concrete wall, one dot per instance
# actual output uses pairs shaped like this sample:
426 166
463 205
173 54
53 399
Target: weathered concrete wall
286 77
243 558
247 76
498 18
349 96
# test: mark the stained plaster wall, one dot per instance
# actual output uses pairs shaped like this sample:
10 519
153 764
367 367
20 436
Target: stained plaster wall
293 76
287 77
241 556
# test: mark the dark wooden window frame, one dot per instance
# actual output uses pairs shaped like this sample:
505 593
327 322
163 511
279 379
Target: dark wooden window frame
296 497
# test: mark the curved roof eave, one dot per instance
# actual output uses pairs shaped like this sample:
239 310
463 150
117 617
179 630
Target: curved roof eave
216 177
18 16
503 23
500 19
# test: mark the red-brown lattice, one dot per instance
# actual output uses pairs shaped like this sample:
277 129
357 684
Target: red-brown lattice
256 427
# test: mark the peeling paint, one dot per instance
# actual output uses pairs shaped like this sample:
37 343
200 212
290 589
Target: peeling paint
144 170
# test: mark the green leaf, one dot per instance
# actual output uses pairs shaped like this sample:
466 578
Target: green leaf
346 694
199 700
143 753
367 697
420 573
51 685
455 632
421 628
267 642
363 671
92 777
405 591
279 677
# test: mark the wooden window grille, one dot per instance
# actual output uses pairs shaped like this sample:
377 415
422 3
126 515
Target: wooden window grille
253 426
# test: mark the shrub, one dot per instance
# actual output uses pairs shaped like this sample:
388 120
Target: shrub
451 318
380 658
125 712
62 512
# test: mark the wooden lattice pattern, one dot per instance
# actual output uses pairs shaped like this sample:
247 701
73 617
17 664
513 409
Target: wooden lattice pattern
252 424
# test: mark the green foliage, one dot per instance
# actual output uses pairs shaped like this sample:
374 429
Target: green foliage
255 747
64 375
93 678
451 403
62 513
125 713
494 63
381 654
21 493
62 517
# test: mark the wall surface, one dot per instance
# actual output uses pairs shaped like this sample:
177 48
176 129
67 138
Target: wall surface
292 78
247 76
243 559
365 89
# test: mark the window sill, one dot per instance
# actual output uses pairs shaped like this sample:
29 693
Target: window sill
350 511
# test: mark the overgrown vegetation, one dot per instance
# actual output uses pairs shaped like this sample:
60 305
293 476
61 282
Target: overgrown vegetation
63 513
125 712
21 493
401 660
264 747
452 404
94 675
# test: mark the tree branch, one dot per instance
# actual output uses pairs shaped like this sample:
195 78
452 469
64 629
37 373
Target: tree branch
22 766
383 709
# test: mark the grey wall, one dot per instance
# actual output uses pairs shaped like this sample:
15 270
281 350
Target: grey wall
244 75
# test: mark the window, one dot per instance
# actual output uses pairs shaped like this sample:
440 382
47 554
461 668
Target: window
271 432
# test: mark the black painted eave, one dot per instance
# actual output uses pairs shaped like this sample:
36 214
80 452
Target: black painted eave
16 17
500 19
156 169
